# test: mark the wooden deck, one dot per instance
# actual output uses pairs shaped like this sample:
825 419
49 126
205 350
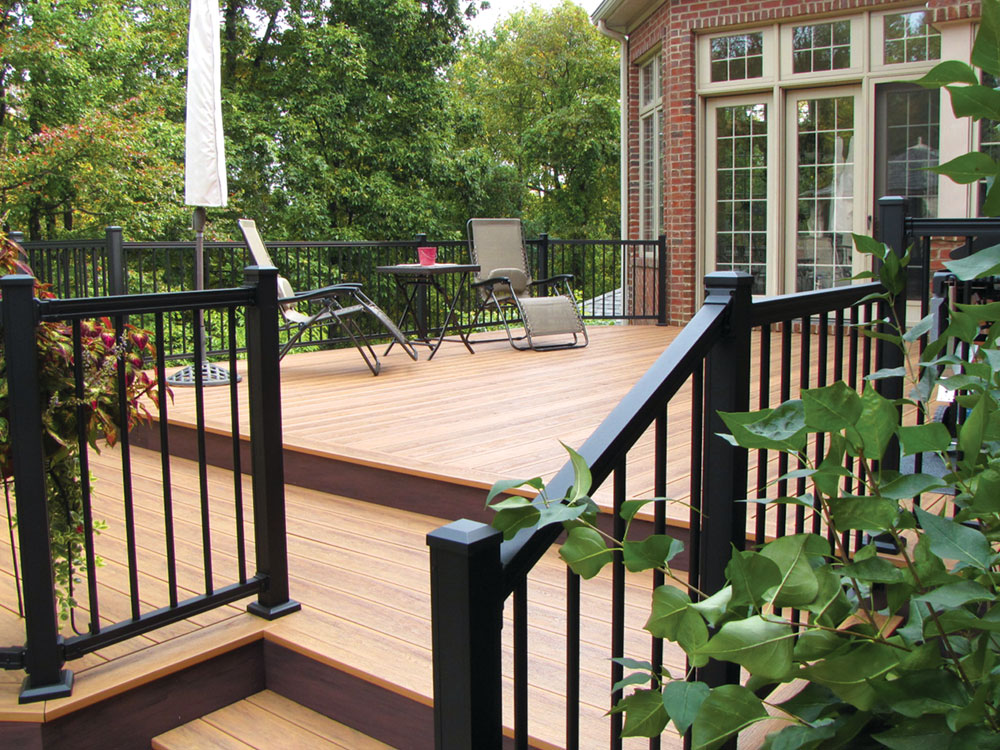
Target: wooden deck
361 573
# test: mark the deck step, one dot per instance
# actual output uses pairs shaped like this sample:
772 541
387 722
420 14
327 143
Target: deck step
265 721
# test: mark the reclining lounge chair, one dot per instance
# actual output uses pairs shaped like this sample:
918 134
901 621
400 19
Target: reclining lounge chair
338 303
505 286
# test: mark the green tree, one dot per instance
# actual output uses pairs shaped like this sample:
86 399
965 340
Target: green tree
91 110
541 96
336 115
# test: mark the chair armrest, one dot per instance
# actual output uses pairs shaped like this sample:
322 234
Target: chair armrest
566 277
492 281
328 291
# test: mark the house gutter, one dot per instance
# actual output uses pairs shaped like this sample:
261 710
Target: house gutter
623 41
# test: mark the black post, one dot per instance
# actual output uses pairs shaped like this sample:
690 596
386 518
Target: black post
466 617
116 261
266 452
892 224
724 466
420 301
543 258
43 659
661 280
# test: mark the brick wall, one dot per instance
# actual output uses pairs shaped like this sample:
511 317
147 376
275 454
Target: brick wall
672 28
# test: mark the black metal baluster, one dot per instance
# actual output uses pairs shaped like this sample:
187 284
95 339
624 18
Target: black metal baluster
572 660
520 598
617 602
805 348
84 452
165 478
659 527
763 402
786 391
133 565
199 400
234 409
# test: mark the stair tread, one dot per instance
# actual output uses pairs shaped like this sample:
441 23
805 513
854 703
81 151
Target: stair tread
266 721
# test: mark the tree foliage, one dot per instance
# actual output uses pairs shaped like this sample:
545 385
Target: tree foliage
541 95
343 119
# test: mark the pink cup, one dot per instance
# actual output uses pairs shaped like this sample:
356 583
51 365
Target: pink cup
427 255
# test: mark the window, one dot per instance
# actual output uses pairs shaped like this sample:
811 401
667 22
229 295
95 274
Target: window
793 165
823 46
650 148
908 38
736 58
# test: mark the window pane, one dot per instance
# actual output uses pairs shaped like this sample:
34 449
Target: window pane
989 139
909 38
911 145
734 58
741 191
825 177
821 46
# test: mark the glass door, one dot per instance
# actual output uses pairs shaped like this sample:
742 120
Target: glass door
825 148
738 216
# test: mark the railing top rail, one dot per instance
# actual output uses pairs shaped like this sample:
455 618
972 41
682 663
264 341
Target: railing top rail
953 227
623 427
234 245
60 244
594 243
799 305
135 304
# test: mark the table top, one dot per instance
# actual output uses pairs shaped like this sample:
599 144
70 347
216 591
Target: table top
416 269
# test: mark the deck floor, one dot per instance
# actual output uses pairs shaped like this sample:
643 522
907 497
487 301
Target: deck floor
361 574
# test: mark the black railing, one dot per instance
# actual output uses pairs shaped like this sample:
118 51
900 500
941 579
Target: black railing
613 279
736 354
219 572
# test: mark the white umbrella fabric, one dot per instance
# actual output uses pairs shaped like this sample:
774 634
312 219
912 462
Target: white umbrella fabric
204 153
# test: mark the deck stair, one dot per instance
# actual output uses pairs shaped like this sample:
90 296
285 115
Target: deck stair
265 721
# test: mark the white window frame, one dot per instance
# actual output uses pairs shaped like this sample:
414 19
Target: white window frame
651 110
857 50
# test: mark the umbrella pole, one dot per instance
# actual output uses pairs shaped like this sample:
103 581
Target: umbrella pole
209 374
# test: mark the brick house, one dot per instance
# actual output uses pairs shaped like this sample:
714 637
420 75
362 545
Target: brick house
758 134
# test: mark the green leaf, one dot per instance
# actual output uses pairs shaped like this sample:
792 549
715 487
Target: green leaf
669 606
815 644
559 513
986 48
956 594
764 648
971 167
585 551
514 514
728 710
953 541
830 606
682 700
848 673
504 485
985 262
877 423
799 585
949 71
863 513
972 432
799 737
974 101
924 438
780 429
631 507
714 608
986 498
910 485
873 570
633 663
810 703
653 552
636 678
830 408
581 475
644 714
752 575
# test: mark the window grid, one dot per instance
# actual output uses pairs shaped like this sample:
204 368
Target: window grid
912 141
909 38
741 191
824 252
821 47
989 141
738 57
650 148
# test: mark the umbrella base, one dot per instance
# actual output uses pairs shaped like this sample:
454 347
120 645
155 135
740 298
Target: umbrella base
210 375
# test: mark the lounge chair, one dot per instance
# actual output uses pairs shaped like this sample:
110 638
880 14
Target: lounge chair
338 303
505 286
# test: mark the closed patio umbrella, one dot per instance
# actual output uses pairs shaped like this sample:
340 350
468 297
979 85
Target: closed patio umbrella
204 152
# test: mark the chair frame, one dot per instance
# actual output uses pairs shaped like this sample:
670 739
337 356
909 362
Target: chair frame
509 299
331 301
